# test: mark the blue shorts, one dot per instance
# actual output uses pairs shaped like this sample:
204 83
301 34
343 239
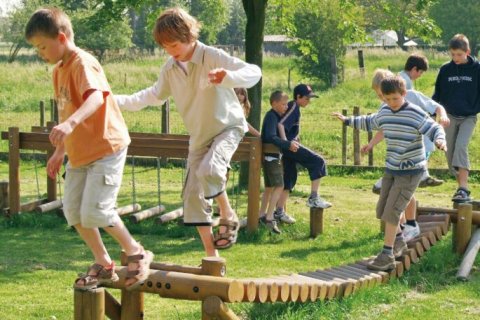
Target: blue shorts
313 162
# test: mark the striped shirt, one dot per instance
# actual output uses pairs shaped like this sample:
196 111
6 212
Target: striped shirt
403 130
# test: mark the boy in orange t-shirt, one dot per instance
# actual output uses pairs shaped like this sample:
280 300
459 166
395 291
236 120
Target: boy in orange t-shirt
94 135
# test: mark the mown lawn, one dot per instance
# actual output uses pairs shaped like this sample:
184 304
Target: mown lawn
40 256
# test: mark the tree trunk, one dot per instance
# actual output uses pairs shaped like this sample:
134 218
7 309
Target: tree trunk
14 49
255 12
401 39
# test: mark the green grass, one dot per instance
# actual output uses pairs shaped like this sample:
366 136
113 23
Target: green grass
29 82
40 256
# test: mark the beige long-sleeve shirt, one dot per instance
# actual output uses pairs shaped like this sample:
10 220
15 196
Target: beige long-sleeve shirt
206 109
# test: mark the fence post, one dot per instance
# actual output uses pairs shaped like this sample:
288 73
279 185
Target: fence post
344 139
361 64
14 170
42 114
51 183
370 153
356 139
166 117
3 195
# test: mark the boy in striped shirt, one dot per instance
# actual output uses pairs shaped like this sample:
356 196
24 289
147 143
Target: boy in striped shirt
403 125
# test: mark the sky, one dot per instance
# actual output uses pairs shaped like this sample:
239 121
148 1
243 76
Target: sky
7 5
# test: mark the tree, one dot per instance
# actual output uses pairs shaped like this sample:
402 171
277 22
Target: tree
446 14
234 32
321 29
408 18
213 14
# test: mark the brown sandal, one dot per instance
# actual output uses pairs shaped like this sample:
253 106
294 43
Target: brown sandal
96 275
230 234
142 271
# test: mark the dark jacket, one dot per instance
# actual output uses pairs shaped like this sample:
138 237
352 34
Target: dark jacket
270 131
457 88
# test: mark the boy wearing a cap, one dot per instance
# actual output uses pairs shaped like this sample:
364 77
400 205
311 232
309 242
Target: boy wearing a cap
289 129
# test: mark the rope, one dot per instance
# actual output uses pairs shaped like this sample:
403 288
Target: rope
158 182
36 172
134 191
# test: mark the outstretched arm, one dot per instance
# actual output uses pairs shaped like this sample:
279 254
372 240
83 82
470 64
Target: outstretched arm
375 140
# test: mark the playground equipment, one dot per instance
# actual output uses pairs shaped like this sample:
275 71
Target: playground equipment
208 284
143 144
466 220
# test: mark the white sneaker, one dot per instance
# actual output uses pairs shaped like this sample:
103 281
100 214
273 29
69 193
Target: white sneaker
410 232
318 202
284 217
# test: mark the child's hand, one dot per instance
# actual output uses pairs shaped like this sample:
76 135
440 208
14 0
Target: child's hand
339 116
294 145
54 164
366 148
444 121
441 144
216 76
60 132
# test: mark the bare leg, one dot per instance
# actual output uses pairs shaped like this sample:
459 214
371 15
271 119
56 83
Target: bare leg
226 212
411 209
94 242
206 235
462 178
266 196
315 185
120 233
272 204
390 232
282 201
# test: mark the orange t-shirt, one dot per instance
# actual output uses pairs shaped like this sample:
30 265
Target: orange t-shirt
105 131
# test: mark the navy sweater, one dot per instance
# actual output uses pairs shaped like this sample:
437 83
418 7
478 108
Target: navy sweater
270 131
457 88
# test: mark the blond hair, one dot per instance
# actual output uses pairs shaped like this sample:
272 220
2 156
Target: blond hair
49 22
379 75
175 24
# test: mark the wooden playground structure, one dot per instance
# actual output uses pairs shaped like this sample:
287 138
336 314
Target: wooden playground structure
208 283
143 145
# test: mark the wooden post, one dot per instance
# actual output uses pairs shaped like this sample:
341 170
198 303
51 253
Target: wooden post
334 69
52 110
464 226
132 305
254 169
316 222
14 170
42 114
89 304
370 153
3 195
214 308
113 309
469 257
356 140
214 266
132 302
361 64
166 117
289 78
51 183
344 139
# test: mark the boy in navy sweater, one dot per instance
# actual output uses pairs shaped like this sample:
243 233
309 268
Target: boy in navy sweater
272 165
403 125
457 88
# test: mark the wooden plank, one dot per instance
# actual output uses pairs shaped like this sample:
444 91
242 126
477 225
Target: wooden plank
14 170
469 257
254 171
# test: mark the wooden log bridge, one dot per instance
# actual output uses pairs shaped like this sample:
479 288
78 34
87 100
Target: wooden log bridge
143 144
207 284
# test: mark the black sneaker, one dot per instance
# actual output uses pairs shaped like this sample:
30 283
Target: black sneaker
461 195
273 227
263 219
